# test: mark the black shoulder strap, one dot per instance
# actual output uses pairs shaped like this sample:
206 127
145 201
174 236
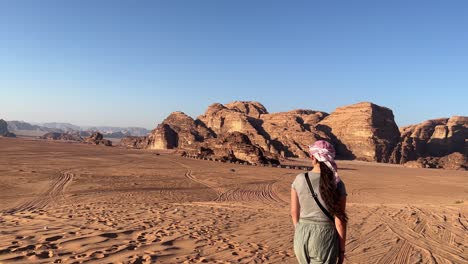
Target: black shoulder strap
314 195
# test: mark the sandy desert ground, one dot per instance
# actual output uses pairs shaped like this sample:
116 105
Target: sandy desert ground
73 203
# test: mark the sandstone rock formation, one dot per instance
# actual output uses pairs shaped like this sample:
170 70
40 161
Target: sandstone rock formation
286 134
222 120
252 109
4 132
454 161
62 136
432 138
233 147
290 133
97 138
134 142
363 131
178 130
246 131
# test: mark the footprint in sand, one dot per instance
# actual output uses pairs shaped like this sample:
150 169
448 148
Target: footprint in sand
109 235
45 254
53 238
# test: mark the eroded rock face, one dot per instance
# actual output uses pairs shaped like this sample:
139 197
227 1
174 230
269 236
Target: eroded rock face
363 131
286 134
97 138
178 130
62 136
454 161
134 142
252 109
4 132
234 147
223 120
432 138
289 133
237 146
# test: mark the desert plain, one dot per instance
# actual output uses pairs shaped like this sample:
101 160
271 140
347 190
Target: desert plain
73 203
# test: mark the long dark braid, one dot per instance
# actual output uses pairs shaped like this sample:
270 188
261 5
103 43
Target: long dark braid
329 192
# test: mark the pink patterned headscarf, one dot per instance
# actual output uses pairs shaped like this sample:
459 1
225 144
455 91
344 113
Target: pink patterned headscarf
324 152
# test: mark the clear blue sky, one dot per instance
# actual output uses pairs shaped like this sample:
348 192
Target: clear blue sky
131 63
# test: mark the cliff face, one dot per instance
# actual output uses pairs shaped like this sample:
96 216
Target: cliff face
290 133
237 147
362 131
133 142
433 141
178 130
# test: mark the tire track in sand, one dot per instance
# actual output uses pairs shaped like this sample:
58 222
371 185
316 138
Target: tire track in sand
263 191
189 175
415 238
53 194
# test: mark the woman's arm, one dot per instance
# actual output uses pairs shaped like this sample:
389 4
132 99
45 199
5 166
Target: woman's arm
341 228
295 207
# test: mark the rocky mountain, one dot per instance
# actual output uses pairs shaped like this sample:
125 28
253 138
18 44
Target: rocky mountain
22 127
117 132
246 131
4 132
65 127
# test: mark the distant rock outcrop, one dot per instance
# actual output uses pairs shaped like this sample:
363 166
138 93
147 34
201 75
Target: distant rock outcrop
118 134
363 131
134 142
454 161
62 136
4 132
97 138
434 138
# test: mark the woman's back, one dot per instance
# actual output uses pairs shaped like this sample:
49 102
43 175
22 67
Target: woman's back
309 208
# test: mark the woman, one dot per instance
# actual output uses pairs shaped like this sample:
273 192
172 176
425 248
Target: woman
318 238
